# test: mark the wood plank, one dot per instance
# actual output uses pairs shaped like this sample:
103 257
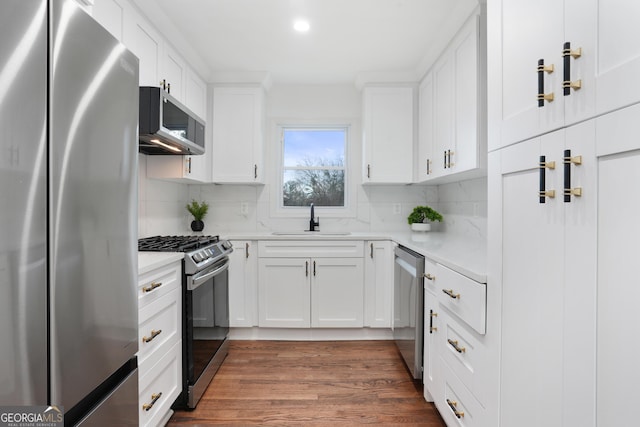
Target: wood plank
312 383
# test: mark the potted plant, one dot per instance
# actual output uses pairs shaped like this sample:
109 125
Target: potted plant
199 211
421 216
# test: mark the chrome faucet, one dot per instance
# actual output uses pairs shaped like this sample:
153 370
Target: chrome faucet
314 222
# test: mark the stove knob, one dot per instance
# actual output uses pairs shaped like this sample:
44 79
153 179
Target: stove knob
196 257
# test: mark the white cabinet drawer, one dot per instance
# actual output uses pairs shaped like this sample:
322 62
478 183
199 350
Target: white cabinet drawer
457 405
159 282
159 325
463 353
464 297
160 387
430 276
310 248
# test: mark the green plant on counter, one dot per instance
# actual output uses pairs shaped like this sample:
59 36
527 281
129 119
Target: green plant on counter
422 213
198 210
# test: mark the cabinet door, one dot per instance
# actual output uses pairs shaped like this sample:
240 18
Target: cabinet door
466 151
426 123
618 53
284 289
337 292
443 89
237 135
243 287
521 33
548 285
618 292
430 356
174 71
388 134
195 94
532 288
378 284
147 44
111 15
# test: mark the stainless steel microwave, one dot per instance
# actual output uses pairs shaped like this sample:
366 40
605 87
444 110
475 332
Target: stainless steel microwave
166 126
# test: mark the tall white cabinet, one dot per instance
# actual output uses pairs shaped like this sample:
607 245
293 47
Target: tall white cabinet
562 229
602 57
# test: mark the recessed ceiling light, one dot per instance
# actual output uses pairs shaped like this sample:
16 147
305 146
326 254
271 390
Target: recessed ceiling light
301 25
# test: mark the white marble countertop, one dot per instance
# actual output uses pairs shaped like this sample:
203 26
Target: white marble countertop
464 254
148 261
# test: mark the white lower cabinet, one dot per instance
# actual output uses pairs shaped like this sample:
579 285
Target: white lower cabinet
456 361
304 284
243 284
378 283
160 345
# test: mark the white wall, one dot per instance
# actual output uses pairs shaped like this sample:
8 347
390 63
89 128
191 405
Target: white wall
161 208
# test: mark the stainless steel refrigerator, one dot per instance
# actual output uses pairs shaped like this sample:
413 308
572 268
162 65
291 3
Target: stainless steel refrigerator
68 214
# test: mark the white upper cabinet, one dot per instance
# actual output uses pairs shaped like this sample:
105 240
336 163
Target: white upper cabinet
174 73
147 44
452 133
238 126
426 123
195 94
111 15
388 135
556 63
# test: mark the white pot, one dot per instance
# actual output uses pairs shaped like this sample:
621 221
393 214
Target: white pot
420 226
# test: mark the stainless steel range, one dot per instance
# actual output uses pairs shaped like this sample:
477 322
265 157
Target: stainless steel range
205 323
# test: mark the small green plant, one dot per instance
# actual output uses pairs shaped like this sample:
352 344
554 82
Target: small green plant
198 210
422 213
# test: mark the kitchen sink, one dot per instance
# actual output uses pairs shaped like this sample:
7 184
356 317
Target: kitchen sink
311 233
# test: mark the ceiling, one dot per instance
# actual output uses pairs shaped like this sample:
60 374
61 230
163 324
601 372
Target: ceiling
348 39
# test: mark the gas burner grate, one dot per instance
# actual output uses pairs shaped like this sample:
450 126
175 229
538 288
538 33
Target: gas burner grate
175 243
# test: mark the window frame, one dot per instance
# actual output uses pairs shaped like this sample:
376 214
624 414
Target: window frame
277 198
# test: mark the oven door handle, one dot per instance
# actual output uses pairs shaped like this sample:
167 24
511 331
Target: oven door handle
201 278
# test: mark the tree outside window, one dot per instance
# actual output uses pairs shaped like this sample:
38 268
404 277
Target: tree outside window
313 166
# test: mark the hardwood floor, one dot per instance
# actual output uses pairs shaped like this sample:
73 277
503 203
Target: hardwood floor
311 383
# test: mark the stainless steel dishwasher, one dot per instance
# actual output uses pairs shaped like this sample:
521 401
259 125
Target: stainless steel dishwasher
408 303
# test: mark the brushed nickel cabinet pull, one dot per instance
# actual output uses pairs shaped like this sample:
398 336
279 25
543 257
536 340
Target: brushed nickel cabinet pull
247 250
368 171
154 334
314 268
255 171
306 268
154 399
371 250
151 287
429 277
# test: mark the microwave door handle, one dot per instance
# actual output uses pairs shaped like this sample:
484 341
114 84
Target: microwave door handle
201 278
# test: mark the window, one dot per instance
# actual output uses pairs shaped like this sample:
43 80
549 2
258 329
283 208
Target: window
313 166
